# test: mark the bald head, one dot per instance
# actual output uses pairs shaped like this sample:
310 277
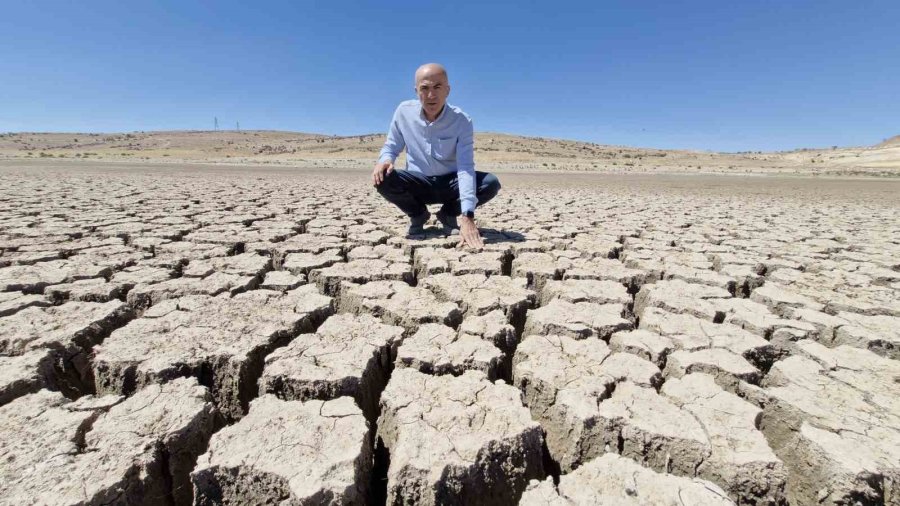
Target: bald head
432 88
431 70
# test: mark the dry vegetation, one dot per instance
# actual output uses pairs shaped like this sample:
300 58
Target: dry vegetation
493 151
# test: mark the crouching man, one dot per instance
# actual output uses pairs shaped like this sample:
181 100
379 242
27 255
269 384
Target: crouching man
440 161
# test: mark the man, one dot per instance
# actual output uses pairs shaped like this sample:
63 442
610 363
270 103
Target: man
440 161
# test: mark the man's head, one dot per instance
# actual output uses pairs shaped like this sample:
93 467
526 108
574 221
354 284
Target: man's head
432 87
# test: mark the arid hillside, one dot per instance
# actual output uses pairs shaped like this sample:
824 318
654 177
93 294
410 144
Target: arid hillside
493 151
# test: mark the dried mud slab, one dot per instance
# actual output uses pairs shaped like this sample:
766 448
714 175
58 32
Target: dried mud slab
586 290
596 245
302 243
304 262
26 373
35 278
478 294
378 252
85 290
691 333
245 264
185 251
329 279
579 320
53 344
610 270
429 261
740 459
213 284
779 298
728 368
117 257
457 440
563 380
611 479
397 303
221 341
758 319
537 268
640 424
879 334
433 238
349 355
438 349
288 452
492 327
643 343
832 416
13 302
729 281
677 296
282 281
105 450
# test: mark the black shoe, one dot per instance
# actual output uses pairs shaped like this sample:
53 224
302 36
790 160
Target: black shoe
417 224
451 227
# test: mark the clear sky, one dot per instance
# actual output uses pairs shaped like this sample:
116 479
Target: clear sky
719 75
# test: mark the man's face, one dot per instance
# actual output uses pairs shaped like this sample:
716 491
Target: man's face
432 89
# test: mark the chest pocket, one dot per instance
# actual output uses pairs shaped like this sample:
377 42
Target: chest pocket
444 149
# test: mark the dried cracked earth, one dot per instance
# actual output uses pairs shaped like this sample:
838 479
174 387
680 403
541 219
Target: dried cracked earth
195 335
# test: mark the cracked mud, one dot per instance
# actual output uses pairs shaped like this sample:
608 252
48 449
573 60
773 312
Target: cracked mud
225 336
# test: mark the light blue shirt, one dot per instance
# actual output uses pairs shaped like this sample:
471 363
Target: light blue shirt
443 146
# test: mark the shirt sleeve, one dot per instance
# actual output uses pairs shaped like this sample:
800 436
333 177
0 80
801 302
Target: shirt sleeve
394 143
465 166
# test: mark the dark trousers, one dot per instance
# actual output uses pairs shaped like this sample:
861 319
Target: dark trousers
411 191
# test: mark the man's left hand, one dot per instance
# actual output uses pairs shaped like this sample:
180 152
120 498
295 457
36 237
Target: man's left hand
468 233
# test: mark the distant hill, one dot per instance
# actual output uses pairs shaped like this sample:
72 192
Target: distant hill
893 141
493 151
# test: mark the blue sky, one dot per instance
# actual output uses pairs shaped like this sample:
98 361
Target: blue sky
719 75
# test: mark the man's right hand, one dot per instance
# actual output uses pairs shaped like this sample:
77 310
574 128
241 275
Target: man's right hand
381 170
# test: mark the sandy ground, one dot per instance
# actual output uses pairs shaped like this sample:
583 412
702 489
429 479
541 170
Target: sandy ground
226 333
493 151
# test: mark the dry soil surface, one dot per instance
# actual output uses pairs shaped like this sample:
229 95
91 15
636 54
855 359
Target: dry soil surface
177 334
493 151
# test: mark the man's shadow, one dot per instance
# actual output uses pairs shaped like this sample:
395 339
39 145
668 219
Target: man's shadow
494 236
488 235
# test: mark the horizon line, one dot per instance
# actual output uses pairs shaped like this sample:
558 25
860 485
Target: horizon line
535 137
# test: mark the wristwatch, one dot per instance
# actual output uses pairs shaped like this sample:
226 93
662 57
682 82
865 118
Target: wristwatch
469 214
